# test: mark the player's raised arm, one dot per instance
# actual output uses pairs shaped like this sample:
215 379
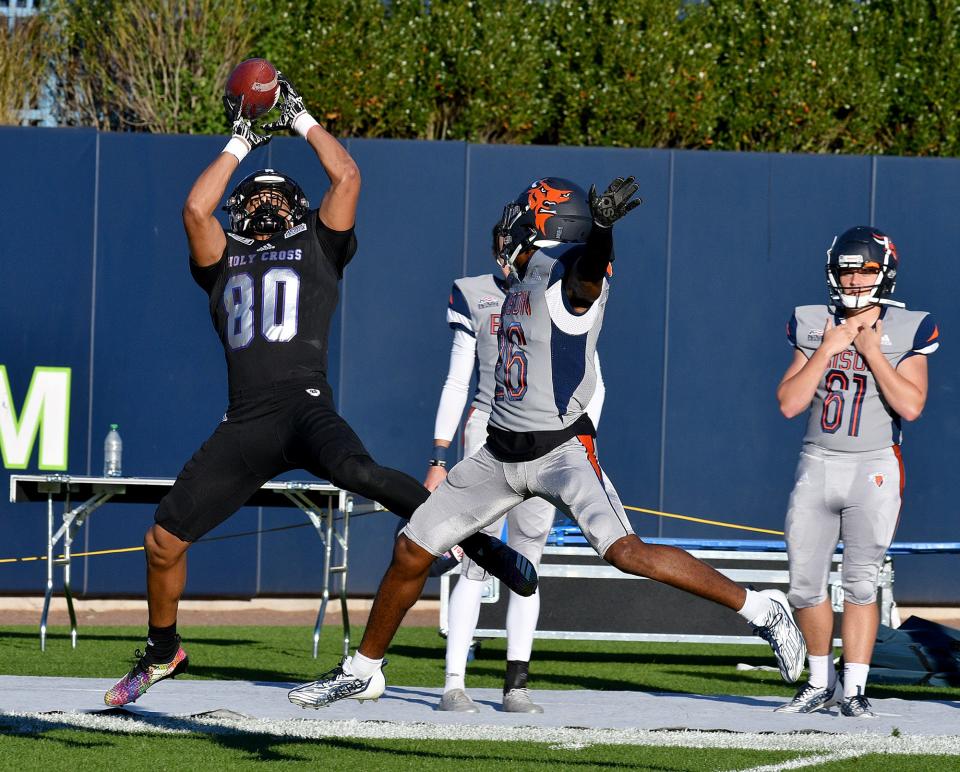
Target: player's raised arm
204 232
338 208
585 283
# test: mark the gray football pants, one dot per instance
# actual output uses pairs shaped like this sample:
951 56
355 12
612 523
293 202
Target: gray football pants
850 496
528 524
481 489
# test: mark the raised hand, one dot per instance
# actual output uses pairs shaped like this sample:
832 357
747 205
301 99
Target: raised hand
615 201
291 106
240 126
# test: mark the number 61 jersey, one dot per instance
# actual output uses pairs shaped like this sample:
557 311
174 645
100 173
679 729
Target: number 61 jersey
271 302
848 412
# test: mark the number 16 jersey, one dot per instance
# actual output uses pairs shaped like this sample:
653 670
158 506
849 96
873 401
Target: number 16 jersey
848 412
545 373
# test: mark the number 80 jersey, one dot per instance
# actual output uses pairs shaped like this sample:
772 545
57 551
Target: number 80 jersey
271 302
848 412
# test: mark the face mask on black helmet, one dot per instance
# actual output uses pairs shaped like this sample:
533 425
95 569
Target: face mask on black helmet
548 212
857 248
265 203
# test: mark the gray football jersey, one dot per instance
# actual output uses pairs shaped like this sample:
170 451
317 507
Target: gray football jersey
545 373
848 412
475 308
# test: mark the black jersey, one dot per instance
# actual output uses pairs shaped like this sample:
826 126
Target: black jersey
271 302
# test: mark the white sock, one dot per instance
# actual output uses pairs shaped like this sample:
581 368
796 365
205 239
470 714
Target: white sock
822 673
462 618
522 615
854 678
361 666
755 606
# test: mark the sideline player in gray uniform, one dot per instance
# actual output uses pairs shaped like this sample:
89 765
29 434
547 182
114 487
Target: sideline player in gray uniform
860 365
540 440
473 314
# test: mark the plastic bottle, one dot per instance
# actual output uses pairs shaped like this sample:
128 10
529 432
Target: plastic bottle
112 453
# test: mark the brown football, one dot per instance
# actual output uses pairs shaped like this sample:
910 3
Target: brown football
256 81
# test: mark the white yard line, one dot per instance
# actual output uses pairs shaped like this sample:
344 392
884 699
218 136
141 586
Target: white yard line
829 747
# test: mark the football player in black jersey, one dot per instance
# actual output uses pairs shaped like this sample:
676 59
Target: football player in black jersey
272 282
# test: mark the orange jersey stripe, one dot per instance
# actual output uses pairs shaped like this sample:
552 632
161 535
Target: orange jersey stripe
587 441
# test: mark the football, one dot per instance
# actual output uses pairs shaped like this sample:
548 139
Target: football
256 81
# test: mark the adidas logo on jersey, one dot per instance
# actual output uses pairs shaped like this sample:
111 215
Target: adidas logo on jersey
265 247
885 340
295 230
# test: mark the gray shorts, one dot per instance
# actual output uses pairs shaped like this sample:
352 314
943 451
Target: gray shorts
528 524
850 496
480 489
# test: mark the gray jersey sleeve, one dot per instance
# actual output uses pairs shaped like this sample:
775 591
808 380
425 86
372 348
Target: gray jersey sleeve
848 412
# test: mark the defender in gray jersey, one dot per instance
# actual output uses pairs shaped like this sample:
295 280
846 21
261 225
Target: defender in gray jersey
860 365
473 314
558 242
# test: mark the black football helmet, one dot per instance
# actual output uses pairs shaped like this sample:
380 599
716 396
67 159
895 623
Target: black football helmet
862 247
549 211
266 202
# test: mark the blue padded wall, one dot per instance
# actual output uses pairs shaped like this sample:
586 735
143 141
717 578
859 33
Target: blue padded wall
708 271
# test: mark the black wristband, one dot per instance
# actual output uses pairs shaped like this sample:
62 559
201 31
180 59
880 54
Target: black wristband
438 462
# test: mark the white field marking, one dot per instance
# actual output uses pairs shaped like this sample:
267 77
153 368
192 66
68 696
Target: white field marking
807 761
822 743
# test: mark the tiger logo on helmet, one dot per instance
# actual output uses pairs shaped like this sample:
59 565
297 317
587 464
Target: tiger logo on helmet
548 212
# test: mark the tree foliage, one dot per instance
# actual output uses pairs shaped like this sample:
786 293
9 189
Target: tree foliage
825 76
23 67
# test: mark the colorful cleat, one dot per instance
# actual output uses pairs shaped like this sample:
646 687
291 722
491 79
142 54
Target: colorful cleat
337 684
134 684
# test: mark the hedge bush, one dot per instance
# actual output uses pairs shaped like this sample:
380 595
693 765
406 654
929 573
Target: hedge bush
824 76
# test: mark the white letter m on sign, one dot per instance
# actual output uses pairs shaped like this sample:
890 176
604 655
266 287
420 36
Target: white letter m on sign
46 410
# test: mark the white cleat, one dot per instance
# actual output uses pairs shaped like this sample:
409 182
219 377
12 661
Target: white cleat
338 685
810 698
777 628
857 706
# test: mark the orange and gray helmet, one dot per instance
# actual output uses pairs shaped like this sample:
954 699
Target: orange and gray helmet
548 212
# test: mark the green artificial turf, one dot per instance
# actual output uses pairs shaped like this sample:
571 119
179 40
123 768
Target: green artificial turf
416 658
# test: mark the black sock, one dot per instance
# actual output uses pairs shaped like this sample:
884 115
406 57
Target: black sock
162 643
517 673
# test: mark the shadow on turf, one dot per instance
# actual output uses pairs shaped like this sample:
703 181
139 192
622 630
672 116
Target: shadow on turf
261 746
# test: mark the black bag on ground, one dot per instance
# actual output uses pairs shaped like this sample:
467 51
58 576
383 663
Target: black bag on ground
918 652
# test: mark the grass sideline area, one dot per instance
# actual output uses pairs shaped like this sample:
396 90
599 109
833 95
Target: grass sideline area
416 658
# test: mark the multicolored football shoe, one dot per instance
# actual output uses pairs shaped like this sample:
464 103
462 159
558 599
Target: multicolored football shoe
134 684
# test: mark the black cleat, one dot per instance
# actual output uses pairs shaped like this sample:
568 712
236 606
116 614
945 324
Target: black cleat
503 562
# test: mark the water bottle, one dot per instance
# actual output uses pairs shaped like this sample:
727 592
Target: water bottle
112 452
